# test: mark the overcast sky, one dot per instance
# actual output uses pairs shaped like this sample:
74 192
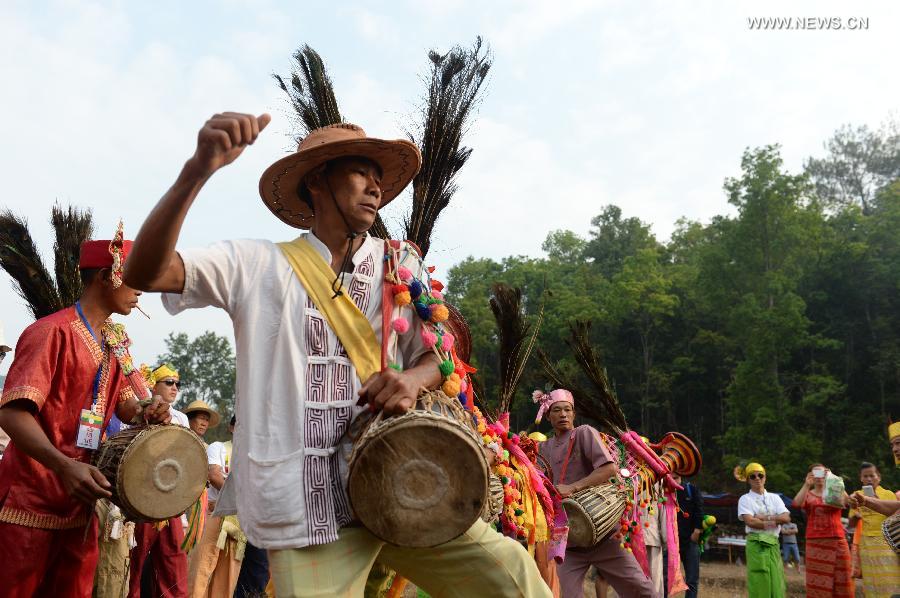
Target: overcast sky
647 105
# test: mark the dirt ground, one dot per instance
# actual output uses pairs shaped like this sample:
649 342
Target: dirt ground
717 580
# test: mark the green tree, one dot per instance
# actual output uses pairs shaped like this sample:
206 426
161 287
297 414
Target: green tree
860 163
206 366
613 239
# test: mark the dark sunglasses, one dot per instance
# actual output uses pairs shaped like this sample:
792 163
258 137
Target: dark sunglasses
756 476
175 383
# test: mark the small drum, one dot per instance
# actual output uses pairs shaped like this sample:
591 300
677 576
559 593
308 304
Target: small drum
493 506
890 527
594 513
156 472
419 479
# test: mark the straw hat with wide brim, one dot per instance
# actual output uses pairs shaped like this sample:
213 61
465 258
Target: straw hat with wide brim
399 161
201 406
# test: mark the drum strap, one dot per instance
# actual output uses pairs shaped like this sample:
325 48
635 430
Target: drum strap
346 320
565 467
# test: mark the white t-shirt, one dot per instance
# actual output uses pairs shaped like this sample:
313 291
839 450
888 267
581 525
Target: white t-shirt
296 389
761 504
217 454
179 418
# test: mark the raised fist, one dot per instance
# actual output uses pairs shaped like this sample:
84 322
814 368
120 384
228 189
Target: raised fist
224 137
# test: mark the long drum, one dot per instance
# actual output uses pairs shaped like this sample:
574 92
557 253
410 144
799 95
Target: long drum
419 479
594 513
156 472
890 527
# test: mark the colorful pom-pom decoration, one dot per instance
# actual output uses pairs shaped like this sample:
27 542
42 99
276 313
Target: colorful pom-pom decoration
439 312
429 339
447 341
463 385
400 288
437 295
422 310
451 386
446 366
403 273
401 299
400 325
395 366
415 289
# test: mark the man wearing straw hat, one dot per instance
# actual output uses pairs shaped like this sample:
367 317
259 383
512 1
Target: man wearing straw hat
60 394
201 417
763 513
309 325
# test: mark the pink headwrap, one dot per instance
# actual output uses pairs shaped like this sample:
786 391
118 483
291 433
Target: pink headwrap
547 400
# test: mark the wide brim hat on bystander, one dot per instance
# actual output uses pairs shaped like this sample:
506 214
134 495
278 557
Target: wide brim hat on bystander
199 406
399 160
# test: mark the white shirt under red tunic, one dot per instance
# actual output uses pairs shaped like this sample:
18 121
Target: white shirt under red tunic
296 388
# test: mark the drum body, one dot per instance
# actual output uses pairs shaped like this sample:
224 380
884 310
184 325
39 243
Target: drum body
493 506
156 472
594 513
890 527
419 479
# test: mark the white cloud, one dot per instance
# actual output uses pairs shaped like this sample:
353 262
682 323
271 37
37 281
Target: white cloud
646 105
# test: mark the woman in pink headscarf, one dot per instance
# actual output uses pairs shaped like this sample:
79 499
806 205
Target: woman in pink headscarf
579 460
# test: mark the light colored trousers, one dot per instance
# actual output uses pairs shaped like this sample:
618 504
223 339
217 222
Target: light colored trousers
212 572
481 562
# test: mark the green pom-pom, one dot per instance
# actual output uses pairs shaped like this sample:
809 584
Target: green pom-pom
519 512
446 367
396 366
504 479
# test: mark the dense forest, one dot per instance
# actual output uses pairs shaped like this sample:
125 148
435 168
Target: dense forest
770 334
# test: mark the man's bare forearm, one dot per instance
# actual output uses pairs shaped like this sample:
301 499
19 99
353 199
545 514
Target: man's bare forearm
153 264
426 372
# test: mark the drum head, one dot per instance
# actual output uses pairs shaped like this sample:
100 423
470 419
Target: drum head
419 483
163 472
581 528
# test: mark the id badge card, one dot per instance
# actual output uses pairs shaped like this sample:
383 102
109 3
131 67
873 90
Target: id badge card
89 430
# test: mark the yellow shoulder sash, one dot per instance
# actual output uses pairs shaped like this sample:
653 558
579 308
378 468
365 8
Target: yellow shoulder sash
349 324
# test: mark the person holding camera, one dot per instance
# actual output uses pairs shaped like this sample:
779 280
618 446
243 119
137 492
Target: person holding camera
880 565
828 565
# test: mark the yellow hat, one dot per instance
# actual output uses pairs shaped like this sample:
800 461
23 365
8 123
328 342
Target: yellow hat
154 376
893 430
537 437
199 406
754 468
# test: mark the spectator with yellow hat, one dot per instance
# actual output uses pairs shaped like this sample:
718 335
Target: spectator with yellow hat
763 513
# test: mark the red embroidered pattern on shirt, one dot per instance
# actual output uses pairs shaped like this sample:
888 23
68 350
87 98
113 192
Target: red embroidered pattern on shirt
84 334
323 429
22 392
316 334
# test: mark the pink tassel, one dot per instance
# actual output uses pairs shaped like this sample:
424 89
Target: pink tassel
400 325
403 273
437 295
428 338
447 341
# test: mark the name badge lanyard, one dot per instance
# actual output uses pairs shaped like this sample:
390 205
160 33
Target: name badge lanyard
95 390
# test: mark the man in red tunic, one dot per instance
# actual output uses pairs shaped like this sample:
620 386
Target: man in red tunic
61 390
